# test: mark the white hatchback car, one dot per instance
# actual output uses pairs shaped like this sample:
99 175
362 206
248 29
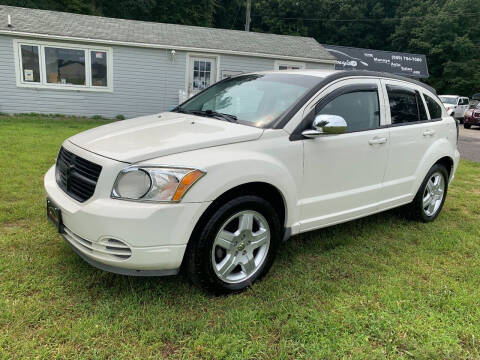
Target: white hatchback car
215 185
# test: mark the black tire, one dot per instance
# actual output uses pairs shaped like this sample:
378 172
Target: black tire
467 126
415 209
198 257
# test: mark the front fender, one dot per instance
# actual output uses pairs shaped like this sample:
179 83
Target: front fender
233 165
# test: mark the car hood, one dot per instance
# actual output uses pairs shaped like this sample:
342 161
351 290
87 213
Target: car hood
162 134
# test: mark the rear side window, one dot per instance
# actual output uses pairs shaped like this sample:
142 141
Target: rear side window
360 109
433 108
406 106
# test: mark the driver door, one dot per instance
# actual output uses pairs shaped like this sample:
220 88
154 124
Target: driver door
343 173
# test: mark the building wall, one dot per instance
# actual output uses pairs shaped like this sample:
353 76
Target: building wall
145 81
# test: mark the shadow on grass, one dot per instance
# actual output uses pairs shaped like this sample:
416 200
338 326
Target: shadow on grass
97 284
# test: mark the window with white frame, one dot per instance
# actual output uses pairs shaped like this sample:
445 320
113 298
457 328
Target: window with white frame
65 66
289 65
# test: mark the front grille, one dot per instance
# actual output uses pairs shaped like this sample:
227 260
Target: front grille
76 176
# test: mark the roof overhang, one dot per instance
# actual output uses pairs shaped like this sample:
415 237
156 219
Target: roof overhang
159 46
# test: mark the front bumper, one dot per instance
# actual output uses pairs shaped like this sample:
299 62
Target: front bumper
114 268
154 235
471 121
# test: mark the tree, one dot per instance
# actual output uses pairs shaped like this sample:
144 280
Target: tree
449 36
447 31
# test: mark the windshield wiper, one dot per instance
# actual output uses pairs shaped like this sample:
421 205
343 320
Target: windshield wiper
209 113
218 115
180 110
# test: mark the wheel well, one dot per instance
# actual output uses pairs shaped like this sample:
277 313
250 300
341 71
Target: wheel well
261 189
448 163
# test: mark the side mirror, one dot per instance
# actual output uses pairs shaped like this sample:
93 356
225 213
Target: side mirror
326 125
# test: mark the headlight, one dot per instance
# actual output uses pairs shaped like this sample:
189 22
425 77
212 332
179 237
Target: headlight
154 183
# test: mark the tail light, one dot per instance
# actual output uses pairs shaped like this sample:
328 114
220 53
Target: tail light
476 113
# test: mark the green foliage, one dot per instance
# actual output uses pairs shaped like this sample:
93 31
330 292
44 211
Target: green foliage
447 31
449 36
120 117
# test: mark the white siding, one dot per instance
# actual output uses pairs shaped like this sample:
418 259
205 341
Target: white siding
145 81
251 64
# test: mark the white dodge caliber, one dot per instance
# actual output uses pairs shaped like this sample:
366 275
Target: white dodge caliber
215 185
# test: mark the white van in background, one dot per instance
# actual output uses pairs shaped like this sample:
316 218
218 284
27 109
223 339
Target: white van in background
455 105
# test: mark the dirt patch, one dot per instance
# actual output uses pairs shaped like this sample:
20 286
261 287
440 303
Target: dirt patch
169 349
11 226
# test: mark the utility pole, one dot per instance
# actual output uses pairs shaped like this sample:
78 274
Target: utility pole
247 20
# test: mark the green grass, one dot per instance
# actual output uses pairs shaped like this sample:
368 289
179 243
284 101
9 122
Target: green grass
379 287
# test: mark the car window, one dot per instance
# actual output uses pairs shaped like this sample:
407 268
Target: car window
404 104
448 100
253 99
360 109
433 108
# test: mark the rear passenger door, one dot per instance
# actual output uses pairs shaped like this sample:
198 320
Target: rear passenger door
411 134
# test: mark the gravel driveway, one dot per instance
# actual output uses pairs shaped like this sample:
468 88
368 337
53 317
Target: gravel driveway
469 143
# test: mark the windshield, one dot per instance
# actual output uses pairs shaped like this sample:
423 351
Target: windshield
255 99
448 100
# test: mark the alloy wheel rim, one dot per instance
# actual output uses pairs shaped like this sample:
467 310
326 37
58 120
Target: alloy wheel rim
240 247
433 194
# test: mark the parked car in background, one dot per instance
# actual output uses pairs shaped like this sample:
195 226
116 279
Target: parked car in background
455 105
218 183
475 100
472 117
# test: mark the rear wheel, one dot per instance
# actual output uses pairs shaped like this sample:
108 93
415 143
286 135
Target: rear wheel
235 247
430 198
467 126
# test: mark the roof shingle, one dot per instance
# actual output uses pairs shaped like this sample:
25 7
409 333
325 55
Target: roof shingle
55 23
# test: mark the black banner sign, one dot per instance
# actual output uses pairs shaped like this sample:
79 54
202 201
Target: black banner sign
348 58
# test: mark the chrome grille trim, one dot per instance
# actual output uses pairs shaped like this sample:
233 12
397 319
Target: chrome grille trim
76 176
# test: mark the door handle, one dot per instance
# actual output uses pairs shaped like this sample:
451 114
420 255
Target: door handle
429 132
377 140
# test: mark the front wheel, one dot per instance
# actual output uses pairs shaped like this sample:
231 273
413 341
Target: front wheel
430 198
467 126
235 247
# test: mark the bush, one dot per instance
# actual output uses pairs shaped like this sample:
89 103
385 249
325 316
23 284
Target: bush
120 117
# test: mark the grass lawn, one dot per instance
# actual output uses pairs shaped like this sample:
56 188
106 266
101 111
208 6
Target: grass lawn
379 287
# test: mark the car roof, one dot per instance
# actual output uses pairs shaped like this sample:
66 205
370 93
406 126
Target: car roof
332 75
452 96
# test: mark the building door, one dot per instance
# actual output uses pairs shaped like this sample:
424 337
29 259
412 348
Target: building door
202 74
